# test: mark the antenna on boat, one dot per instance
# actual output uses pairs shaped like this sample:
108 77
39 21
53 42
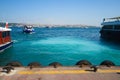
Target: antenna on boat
6 26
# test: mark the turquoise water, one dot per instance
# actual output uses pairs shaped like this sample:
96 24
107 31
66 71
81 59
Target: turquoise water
64 45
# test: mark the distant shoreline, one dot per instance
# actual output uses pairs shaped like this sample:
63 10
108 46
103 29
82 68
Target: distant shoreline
48 25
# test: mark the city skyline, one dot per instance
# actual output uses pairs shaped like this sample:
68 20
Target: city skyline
88 12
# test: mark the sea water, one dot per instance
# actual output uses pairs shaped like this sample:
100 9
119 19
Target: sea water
64 45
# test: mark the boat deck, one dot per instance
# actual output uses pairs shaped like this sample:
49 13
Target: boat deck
62 73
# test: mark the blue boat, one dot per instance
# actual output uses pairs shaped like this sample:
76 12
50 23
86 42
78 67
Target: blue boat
28 29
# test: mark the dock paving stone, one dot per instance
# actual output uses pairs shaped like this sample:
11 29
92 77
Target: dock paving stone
82 76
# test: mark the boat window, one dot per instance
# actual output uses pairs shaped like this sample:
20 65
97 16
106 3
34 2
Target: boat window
117 27
7 33
4 34
107 27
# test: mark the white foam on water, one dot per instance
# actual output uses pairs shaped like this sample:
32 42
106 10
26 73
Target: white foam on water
8 74
15 41
72 43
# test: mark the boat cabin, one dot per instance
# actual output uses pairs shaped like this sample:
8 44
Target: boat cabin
4 35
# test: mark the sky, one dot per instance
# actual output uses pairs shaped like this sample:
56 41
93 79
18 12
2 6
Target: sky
88 12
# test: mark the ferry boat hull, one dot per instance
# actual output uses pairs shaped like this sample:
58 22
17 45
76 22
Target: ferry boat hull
110 35
5 46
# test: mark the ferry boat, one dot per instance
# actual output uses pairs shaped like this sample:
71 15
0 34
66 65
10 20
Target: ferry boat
28 29
110 29
5 38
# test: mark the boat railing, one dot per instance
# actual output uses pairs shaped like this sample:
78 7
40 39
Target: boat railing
114 19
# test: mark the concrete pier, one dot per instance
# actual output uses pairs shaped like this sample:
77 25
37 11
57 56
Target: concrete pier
61 73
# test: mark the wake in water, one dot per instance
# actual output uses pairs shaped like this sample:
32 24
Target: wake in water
69 44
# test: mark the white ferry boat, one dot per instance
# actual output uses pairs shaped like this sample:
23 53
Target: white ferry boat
111 29
28 29
5 38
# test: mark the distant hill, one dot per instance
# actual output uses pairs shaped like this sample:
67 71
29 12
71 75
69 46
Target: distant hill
2 24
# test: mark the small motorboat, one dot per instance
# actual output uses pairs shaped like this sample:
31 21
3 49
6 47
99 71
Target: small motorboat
28 29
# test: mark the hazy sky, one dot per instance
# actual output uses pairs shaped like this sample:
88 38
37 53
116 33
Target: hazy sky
90 12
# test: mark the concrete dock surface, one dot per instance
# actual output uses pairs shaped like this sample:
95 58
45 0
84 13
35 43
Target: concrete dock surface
62 73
